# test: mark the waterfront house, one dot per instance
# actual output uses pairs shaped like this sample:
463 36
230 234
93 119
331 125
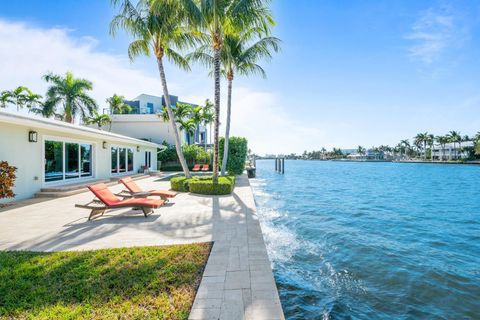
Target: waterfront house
52 153
451 151
143 122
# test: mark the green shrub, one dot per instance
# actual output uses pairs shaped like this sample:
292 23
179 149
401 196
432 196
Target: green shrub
237 154
225 185
203 185
179 184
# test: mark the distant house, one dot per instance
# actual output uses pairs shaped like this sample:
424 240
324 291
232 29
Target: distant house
451 151
143 121
51 153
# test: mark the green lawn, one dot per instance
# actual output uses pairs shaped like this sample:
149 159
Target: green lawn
126 283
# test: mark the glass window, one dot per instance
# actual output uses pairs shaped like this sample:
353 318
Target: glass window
129 160
71 160
114 160
86 160
53 161
122 160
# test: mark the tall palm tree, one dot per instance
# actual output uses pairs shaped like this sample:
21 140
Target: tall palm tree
157 26
239 55
431 141
71 93
442 141
421 139
117 104
99 119
405 146
215 19
454 137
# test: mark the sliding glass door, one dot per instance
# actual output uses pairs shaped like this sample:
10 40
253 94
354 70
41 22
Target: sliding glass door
67 160
121 160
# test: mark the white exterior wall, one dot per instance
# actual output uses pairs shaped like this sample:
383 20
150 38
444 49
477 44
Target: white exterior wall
144 126
28 157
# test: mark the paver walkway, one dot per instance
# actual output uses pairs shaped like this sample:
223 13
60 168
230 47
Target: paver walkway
237 283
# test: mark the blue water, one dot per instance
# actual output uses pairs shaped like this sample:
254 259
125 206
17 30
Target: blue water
353 240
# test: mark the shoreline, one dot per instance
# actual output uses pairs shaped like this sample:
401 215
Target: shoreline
393 161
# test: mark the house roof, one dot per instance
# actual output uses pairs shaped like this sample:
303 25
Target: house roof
51 124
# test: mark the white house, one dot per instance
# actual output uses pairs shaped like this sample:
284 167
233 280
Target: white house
48 153
451 151
143 122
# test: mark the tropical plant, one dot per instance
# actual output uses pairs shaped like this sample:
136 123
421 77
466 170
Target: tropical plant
422 139
404 146
238 56
99 119
454 137
157 26
215 19
208 117
71 94
7 180
117 105
361 150
237 154
19 97
431 141
442 141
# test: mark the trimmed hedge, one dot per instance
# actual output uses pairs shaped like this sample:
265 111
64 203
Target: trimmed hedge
225 185
179 184
237 154
203 185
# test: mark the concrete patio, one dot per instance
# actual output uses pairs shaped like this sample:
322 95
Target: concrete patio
237 283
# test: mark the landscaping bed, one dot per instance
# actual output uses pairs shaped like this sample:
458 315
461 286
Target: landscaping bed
203 185
126 283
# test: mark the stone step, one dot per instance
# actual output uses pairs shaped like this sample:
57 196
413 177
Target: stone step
69 190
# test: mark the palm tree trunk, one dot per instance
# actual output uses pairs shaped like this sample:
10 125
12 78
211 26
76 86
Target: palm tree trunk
227 128
216 117
178 145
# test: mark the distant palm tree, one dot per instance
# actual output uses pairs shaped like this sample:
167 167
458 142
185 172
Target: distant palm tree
442 141
454 137
421 139
99 119
208 116
117 105
431 141
158 27
405 146
71 94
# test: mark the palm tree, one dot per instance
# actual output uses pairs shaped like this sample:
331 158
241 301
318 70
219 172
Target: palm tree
430 141
421 139
238 56
454 137
405 146
442 141
71 93
117 104
99 119
215 19
18 97
157 26
208 117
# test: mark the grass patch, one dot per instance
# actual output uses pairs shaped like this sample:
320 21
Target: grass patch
203 185
126 283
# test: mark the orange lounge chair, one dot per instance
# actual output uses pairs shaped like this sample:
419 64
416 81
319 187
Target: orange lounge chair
134 191
205 167
107 200
196 168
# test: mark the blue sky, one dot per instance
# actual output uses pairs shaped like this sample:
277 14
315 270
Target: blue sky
350 72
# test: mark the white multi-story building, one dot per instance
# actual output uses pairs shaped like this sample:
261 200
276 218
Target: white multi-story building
451 151
144 122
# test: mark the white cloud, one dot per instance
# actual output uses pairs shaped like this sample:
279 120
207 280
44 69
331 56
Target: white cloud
28 52
433 34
